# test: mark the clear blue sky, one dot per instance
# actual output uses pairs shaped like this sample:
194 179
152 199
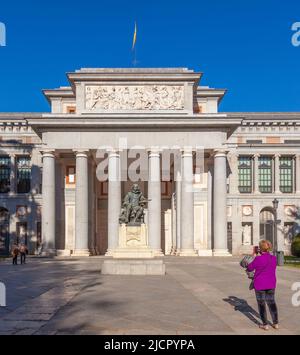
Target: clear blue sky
244 46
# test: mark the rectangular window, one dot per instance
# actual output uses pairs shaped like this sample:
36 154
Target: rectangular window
71 109
70 175
245 174
265 174
286 174
23 174
4 174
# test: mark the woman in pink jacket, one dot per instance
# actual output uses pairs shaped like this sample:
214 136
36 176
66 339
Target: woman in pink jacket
264 266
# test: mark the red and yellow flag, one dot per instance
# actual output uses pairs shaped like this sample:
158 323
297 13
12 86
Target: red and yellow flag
134 36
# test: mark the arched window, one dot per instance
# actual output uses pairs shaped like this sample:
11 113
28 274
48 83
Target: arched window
267 224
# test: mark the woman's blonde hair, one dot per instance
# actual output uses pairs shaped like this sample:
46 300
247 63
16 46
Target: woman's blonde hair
265 245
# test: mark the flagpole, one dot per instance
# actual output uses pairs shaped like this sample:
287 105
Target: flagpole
134 61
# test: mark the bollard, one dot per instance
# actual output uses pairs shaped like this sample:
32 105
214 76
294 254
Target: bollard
280 258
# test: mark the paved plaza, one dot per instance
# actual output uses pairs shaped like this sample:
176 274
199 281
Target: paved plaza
197 296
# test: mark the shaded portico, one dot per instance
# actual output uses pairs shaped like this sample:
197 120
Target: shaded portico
80 138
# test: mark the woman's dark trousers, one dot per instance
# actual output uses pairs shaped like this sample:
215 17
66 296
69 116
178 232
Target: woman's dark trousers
267 297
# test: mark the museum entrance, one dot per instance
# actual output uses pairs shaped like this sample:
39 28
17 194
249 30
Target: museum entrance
4 231
101 223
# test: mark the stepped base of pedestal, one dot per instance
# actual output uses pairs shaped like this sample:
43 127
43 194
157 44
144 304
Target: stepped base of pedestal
132 253
221 252
133 267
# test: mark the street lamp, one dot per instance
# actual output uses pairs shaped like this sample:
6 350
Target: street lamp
275 207
278 254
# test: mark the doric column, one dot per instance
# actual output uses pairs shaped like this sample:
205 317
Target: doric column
187 205
154 205
234 181
82 205
220 204
173 224
297 168
178 213
277 173
114 200
256 173
48 211
13 173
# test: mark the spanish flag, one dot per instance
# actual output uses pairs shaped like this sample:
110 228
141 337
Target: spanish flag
134 37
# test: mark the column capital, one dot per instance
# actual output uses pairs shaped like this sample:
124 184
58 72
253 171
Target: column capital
256 155
277 155
220 153
155 150
186 151
50 153
84 153
112 152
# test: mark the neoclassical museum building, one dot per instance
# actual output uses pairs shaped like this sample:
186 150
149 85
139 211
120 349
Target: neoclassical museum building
52 199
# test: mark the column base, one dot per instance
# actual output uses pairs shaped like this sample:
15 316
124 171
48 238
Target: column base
49 253
109 253
173 251
188 252
63 252
221 252
81 252
157 252
205 252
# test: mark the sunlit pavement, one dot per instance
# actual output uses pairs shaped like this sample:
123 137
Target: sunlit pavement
197 296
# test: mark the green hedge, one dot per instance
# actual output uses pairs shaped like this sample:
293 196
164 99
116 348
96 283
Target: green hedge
296 247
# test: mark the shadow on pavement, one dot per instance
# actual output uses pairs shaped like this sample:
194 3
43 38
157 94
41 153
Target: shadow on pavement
242 306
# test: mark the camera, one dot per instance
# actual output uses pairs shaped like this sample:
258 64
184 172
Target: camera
256 250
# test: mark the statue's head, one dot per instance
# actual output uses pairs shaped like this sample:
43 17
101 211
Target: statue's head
135 188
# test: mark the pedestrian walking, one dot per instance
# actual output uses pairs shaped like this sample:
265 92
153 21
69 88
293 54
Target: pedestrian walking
23 252
15 253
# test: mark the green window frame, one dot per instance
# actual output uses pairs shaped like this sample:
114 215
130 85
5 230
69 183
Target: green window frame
286 174
5 170
265 174
245 174
23 174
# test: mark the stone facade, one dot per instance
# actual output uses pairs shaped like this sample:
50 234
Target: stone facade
248 159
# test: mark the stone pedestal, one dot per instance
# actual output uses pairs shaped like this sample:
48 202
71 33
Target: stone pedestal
133 256
133 242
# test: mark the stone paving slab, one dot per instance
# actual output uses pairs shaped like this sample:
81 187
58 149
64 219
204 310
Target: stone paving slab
196 296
